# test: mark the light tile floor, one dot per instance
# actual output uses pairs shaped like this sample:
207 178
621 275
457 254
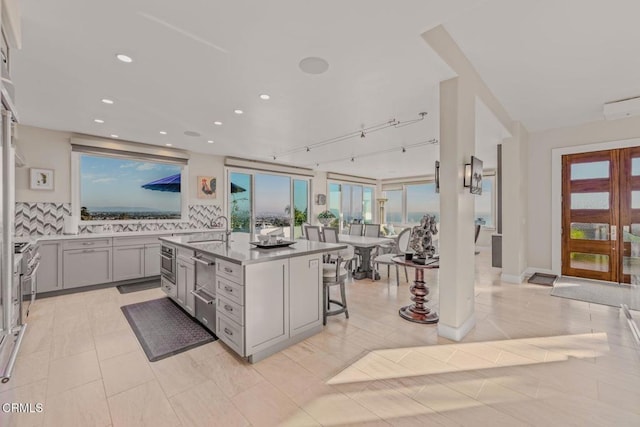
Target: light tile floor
532 359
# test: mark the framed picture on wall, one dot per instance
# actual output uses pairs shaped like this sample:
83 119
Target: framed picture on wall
206 187
41 179
437 176
476 175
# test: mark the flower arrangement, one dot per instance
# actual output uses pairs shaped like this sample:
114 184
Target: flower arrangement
325 217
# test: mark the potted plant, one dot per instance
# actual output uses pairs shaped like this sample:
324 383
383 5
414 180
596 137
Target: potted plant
325 217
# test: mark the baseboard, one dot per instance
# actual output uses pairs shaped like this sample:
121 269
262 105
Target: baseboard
512 278
456 334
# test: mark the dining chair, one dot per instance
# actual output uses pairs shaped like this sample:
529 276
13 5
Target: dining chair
372 230
355 229
330 235
401 246
313 233
335 274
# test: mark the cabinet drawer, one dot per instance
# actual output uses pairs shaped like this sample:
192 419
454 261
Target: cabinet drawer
229 270
229 290
87 243
231 309
168 287
230 333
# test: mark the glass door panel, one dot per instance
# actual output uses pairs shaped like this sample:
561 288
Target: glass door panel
630 215
240 202
272 204
300 206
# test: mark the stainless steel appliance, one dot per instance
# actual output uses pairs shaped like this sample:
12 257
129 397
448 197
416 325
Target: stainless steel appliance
168 263
205 291
28 269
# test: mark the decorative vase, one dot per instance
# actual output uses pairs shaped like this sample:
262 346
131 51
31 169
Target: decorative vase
325 221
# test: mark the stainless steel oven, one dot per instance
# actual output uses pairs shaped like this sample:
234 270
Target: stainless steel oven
168 263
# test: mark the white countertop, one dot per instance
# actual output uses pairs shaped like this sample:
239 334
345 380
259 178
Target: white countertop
241 252
118 234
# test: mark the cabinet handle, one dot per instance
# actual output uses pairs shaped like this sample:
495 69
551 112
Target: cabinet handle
88 250
228 270
228 331
204 320
201 261
88 243
228 307
228 289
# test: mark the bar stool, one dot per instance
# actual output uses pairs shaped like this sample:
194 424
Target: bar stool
335 274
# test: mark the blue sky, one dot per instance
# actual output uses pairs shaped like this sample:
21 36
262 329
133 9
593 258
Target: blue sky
112 182
272 192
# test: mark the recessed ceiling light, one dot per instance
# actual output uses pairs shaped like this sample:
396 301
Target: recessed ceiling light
238 111
124 58
264 96
314 65
162 132
168 145
210 141
114 135
107 101
98 120
217 123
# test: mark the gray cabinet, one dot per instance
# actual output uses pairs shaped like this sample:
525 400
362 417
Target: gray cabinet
266 305
49 275
305 293
84 267
152 260
185 283
128 262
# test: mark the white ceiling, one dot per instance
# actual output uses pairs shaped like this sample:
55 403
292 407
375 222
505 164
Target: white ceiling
196 61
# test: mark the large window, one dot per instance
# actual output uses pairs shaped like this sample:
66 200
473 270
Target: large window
408 204
114 188
261 203
351 203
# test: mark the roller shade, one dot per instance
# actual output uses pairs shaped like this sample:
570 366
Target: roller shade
267 167
128 150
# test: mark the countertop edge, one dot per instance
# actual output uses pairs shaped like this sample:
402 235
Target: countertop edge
294 253
59 237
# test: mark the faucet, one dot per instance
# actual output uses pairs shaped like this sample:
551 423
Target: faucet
227 231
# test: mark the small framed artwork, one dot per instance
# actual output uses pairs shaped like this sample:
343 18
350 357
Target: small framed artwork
41 179
437 179
476 175
321 199
206 187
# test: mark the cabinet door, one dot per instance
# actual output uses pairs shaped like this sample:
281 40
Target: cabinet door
48 277
84 267
185 281
128 262
152 260
305 290
266 304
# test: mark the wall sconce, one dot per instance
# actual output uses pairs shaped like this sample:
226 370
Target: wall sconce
466 181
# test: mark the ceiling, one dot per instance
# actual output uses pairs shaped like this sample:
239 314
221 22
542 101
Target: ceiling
550 64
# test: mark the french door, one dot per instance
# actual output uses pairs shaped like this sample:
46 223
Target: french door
601 215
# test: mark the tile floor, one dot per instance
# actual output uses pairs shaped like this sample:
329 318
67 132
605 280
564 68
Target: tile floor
532 359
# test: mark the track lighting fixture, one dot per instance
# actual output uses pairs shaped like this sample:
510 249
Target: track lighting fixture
362 134
353 159
308 149
404 150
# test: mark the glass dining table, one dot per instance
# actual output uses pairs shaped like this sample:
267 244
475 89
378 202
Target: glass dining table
366 245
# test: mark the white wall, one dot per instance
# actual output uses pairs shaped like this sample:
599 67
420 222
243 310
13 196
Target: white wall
540 146
318 186
50 149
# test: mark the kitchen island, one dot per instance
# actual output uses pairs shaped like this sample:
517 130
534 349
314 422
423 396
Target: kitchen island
265 299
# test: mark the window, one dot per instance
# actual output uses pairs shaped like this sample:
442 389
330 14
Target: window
393 207
422 199
261 203
351 203
120 188
485 203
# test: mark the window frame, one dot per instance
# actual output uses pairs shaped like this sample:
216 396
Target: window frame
228 170
374 210
75 191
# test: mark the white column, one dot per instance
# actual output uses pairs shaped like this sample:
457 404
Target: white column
514 205
457 249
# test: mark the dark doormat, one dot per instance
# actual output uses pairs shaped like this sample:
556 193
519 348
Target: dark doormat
138 286
164 329
543 279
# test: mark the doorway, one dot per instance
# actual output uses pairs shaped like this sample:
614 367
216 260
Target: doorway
601 215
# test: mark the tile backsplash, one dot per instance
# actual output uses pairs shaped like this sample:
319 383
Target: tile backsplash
43 218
